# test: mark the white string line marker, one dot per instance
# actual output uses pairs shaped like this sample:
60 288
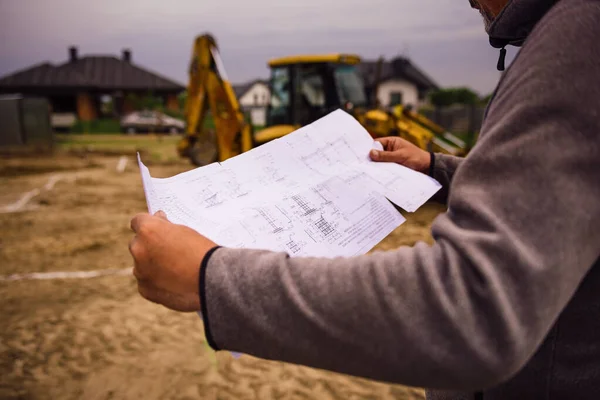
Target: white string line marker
66 275
52 181
21 204
122 164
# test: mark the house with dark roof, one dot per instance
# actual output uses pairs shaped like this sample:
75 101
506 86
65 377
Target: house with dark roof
399 82
78 85
254 98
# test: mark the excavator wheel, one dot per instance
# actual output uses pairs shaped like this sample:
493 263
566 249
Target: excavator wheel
205 150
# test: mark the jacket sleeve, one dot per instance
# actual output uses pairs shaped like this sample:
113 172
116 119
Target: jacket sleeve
520 234
443 170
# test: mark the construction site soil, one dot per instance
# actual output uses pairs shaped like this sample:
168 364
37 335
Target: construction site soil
96 338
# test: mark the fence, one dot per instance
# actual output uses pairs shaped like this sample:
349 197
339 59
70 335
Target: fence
460 120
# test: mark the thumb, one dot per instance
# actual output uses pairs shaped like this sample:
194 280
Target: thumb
386 156
161 214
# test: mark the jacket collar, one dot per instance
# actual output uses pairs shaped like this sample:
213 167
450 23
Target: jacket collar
517 20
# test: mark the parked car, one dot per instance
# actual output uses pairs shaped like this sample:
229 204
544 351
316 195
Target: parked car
151 121
63 122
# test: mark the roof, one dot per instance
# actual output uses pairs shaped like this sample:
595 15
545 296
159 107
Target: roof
397 68
90 72
315 58
242 88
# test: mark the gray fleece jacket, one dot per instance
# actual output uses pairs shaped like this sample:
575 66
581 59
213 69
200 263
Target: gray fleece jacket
506 303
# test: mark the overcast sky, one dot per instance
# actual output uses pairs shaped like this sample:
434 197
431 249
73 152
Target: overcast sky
445 38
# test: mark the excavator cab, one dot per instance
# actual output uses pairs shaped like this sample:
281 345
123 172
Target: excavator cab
306 88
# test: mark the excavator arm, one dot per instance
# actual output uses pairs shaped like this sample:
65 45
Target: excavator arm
209 90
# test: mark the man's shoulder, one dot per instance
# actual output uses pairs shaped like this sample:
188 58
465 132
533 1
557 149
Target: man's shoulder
569 28
557 68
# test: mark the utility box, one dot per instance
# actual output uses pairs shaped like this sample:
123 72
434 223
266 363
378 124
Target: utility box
25 121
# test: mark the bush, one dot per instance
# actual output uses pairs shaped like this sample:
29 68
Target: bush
104 125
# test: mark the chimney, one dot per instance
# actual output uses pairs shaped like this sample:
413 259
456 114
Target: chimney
126 55
72 54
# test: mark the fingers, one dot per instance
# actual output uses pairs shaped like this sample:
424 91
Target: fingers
138 221
388 156
393 143
161 214
386 141
143 218
141 225
136 252
137 274
133 246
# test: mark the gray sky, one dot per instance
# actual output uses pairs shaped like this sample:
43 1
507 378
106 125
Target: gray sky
445 38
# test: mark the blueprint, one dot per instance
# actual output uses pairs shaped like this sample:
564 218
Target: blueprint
314 192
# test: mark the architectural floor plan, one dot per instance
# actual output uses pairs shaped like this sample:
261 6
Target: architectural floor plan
314 192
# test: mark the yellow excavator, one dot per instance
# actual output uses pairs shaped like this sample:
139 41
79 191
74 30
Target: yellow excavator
302 89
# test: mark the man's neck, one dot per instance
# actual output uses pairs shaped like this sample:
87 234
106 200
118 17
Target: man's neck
493 7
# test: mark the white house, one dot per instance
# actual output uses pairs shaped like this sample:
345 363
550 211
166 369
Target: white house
254 98
400 82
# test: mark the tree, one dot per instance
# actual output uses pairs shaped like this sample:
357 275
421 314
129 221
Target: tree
485 100
146 101
450 96
181 99
441 98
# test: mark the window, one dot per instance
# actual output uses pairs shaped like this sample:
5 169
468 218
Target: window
255 99
395 98
280 96
349 85
310 99
311 87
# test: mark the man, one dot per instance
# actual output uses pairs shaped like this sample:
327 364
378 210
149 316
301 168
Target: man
504 305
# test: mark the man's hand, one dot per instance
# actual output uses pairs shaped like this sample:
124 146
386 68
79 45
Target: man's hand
167 261
403 152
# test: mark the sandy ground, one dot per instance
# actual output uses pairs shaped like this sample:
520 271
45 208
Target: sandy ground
96 338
